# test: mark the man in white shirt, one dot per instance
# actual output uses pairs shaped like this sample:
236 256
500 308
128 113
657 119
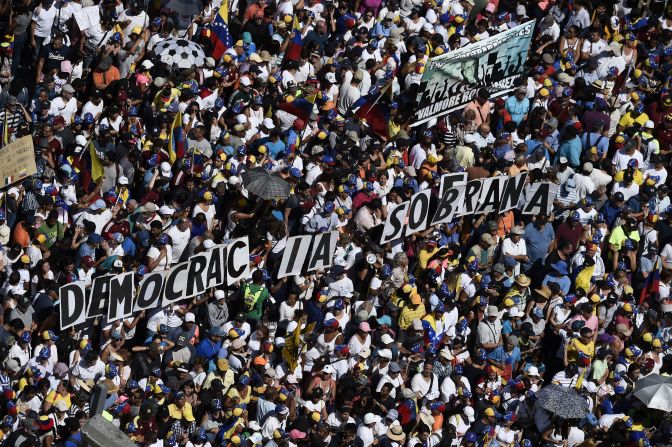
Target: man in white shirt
425 384
614 60
132 17
549 27
594 45
41 24
90 367
180 234
515 246
65 105
349 93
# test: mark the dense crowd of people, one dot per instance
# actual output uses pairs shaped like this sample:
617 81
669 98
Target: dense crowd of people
452 336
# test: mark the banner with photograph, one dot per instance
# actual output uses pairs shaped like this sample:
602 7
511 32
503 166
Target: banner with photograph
452 79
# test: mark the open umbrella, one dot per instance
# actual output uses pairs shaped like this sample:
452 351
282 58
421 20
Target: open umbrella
180 53
655 391
563 402
262 184
185 7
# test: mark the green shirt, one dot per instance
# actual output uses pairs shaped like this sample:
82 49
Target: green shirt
258 307
51 233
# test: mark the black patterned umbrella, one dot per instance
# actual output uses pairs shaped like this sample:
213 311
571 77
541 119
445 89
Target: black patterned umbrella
562 401
264 185
180 53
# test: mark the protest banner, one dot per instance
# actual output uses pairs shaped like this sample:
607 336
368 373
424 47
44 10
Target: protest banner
294 256
115 297
121 292
322 251
394 225
452 79
539 198
462 198
87 17
72 298
418 212
17 161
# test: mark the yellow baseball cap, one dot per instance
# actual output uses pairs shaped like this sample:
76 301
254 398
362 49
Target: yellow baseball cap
489 412
656 343
222 364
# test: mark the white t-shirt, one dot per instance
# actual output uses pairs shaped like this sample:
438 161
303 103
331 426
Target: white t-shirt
180 241
141 20
167 260
65 109
44 20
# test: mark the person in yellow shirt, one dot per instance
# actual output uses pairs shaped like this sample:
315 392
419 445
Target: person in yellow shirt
181 409
580 350
634 116
411 310
426 253
59 394
166 95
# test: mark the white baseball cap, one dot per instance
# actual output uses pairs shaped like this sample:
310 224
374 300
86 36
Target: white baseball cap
268 123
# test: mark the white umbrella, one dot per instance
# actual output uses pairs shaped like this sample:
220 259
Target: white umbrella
180 53
655 391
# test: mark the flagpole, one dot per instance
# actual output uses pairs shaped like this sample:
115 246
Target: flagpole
378 98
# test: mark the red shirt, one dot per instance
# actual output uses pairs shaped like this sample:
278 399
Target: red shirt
564 231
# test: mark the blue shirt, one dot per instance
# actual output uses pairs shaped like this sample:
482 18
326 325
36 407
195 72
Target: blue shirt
537 241
208 348
610 213
595 139
571 150
563 281
274 148
507 358
517 109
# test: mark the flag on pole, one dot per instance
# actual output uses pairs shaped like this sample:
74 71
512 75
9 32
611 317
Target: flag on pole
651 288
96 165
293 51
300 107
220 35
176 143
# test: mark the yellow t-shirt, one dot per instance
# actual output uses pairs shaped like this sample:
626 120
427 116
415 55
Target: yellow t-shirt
638 178
618 237
54 397
408 315
628 120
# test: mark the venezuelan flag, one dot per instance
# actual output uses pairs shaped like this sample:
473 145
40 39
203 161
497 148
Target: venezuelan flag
96 165
651 290
293 51
220 35
300 107
177 142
